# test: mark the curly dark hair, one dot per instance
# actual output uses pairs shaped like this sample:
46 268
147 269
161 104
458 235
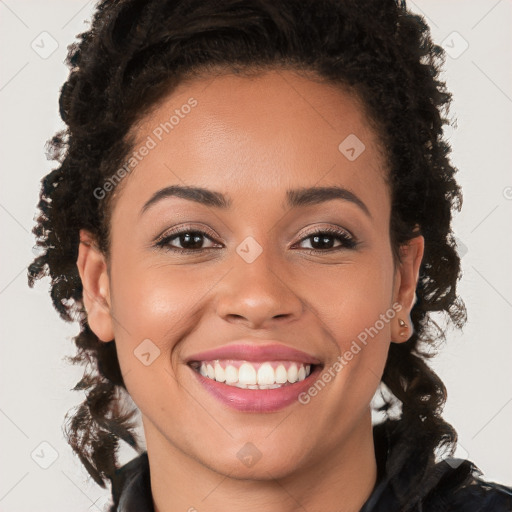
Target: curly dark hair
137 51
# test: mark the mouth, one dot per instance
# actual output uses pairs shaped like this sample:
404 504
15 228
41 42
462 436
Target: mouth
253 375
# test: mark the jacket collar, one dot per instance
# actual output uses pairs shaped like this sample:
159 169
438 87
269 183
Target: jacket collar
131 486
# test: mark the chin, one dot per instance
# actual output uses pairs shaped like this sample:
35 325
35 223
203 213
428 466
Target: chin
257 470
258 461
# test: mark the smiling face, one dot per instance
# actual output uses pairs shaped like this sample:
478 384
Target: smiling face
285 246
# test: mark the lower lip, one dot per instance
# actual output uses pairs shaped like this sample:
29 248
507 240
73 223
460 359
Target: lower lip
257 400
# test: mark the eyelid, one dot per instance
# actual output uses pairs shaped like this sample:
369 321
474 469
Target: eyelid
198 227
350 241
326 228
186 227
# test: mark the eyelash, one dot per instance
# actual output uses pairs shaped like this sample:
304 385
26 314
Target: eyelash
348 242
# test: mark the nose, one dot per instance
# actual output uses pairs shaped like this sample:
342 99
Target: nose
258 294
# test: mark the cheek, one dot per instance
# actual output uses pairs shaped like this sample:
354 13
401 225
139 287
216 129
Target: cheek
354 299
152 309
356 308
155 302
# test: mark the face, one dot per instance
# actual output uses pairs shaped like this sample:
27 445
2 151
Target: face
257 279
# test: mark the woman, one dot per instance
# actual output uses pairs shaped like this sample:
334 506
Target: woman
251 220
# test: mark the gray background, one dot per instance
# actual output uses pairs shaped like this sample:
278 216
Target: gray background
35 382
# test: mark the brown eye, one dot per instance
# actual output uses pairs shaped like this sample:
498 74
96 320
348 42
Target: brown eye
324 240
186 240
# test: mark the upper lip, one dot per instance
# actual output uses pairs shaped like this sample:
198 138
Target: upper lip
263 350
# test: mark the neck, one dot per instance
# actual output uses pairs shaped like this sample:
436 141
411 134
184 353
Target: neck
341 479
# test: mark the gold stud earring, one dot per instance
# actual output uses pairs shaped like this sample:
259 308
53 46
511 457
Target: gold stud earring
401 323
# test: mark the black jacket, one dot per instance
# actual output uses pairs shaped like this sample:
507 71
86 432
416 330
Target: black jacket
452 485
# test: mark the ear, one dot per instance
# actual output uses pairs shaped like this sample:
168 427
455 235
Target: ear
406 279
92 268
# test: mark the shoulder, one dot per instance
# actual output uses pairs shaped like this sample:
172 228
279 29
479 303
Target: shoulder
131 487
461 488
410 480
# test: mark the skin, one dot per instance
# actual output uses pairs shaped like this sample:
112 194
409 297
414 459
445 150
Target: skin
252 139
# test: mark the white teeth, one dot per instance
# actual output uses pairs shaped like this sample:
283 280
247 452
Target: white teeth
246 374
281 374
220 374
265 375
293 373
231 374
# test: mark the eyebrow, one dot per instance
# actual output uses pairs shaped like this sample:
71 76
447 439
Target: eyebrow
295 198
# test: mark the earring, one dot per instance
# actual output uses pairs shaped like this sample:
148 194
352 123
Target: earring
401 323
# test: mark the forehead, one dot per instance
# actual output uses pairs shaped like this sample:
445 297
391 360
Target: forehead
260 134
